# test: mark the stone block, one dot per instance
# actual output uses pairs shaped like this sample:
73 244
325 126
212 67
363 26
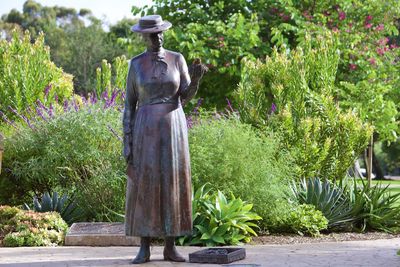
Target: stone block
99 234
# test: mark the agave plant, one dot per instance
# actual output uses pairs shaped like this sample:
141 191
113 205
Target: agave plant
376 207
327 197
68 210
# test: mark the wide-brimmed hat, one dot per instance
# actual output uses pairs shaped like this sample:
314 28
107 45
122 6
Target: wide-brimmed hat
150 24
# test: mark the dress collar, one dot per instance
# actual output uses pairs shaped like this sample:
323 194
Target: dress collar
159 55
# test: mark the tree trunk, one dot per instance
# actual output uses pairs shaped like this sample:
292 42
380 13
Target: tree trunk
376 167
369 160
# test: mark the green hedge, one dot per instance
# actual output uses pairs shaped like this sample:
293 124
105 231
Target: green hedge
232 157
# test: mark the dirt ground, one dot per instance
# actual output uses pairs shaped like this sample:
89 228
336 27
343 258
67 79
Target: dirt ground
332 237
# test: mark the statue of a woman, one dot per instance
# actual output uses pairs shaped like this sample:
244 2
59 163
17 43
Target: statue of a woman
158 197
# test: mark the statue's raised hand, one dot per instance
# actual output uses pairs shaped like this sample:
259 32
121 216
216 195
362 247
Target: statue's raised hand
197 70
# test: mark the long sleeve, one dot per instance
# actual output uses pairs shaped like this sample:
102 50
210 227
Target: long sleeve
129 113
187 88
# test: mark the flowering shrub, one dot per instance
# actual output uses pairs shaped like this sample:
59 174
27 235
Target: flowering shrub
27 228
293 93
73 149
28 75
368 63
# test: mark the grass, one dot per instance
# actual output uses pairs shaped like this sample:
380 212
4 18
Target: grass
383 182
391 182
394 186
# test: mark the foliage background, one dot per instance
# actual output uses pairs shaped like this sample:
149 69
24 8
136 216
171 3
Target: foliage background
233 158
27 75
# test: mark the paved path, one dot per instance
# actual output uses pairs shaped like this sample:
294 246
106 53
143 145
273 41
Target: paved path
373 253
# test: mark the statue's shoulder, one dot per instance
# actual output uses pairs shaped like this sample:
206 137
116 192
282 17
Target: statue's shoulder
137 58
175 55
134 62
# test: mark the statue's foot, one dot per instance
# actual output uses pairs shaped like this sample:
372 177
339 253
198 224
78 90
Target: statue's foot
173 255
141 259
144 251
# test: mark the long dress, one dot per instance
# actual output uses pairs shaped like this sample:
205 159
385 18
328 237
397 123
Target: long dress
158 195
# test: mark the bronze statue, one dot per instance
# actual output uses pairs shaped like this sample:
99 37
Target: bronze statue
158 196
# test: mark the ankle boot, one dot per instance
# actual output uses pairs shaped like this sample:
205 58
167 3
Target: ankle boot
144 251
170 252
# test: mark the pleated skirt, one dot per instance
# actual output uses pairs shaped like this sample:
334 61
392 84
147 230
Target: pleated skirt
158 194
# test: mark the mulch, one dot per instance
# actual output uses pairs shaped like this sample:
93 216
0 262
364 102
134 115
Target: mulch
332 237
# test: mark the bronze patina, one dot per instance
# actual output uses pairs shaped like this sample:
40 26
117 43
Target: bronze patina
158 195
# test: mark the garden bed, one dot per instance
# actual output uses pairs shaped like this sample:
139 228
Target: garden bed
332 237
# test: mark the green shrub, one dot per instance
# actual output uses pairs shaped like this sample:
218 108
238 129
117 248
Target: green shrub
26 228
233 158
306 219
73 152
220 221
28 75
293 93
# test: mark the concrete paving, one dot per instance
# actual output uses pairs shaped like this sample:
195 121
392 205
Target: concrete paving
372 253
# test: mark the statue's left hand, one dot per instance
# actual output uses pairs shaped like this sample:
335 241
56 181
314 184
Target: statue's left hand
197 70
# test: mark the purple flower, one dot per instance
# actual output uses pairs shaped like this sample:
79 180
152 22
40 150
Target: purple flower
42 106
75 105
56 98
13 110
24 118
111 101
50 111
273 108
47 90
196 108
189 122
93 99
104 95
40 113
7 120
65 105
229 105
84 100
114 132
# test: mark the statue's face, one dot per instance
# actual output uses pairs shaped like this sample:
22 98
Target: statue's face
154 41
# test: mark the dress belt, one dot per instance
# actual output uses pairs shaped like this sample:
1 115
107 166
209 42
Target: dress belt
169 101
